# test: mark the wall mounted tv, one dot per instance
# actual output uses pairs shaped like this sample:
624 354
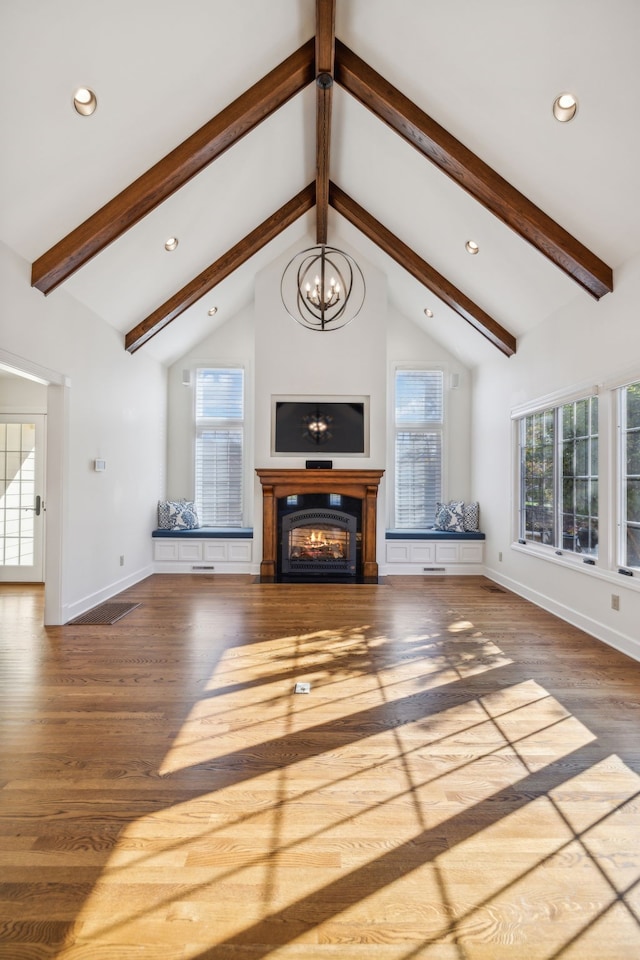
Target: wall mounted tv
319 426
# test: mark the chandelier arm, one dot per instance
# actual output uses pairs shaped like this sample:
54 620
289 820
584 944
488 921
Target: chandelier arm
347 288
322 288
305 305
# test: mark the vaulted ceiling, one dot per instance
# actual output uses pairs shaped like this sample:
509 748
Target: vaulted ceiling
212 126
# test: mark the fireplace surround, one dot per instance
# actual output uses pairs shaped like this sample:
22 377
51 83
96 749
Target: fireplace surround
279 483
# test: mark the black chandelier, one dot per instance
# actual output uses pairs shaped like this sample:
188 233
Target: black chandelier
322 288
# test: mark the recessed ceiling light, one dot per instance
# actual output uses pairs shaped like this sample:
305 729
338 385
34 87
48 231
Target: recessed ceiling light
171 243
85 101
471 247
565 107
212 311
428 312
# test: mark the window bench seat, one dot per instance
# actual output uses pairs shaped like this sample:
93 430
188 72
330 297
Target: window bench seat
203 550
203 533
432 551
430 534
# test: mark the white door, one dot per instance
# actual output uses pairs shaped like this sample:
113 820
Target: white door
22 507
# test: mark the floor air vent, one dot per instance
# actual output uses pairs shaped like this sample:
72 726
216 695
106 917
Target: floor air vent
105 614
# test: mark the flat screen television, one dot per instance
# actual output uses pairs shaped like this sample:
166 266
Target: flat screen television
319 426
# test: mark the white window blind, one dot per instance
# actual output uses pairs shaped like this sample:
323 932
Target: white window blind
219 466
419 424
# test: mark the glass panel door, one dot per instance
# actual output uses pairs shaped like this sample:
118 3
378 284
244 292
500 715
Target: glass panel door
22 507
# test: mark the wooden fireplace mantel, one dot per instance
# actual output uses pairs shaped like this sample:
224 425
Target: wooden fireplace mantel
277 483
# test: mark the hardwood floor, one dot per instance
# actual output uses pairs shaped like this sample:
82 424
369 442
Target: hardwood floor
461 783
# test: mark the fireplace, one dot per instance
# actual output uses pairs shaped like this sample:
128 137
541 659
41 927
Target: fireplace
315 489
318 542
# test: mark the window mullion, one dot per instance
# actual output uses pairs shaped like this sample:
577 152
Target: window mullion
558 476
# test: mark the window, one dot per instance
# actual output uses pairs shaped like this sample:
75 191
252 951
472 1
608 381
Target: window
579 459
537 477
559 476
630 474
219 414
419 425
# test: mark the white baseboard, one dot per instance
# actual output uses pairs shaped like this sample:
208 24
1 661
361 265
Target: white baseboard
202 566
72 610
431 570
601 631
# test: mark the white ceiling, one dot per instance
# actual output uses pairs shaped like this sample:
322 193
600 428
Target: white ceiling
488 72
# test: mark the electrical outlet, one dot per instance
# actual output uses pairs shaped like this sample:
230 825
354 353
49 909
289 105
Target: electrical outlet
302 687
615 601
500 556
122 559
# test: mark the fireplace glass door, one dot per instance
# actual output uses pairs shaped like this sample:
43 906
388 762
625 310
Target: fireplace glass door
318 542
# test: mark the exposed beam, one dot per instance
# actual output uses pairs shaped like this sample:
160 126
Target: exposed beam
325 57
222 267
174 170
471 173
422 271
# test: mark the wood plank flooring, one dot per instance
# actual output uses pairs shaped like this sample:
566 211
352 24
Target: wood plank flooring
461 783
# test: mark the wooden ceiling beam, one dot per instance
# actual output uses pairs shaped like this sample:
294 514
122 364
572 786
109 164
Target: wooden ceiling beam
471 173
174 170
221 269
325 58
422 271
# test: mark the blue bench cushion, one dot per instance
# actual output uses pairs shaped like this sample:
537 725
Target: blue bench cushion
201 533
434 535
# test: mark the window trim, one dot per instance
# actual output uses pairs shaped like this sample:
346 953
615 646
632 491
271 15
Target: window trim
195 367
556 399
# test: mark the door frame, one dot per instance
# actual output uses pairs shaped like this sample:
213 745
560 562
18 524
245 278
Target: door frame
57 431
19 572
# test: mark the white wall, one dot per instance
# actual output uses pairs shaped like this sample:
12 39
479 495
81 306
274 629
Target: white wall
18 395
587 342
292 360
406 342
287 359
114 408
229 343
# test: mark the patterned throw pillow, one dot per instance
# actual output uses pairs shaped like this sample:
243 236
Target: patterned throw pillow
163 514
177 515
472 516
450 516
